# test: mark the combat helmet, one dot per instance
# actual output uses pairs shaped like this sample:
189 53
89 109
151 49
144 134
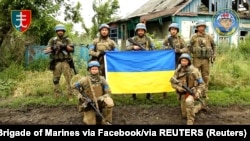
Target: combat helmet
104 26
93 64
140 26
186 56
173 25
200 22
60 27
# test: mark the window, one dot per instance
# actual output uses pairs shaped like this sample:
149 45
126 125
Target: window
114 34
243 34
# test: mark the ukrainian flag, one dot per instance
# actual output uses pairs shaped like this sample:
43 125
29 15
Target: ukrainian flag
140 72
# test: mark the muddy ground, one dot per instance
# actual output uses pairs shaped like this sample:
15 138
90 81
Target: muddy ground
126 115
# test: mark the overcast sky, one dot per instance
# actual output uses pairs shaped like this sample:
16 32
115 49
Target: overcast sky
126 7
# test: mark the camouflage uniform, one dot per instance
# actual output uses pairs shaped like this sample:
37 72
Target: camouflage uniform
175 42
101 95
60 58
145 41
100 45
203 50
190 77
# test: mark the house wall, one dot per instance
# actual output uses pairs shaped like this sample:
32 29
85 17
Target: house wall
187 27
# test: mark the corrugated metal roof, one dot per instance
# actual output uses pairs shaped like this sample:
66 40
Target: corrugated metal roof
153 6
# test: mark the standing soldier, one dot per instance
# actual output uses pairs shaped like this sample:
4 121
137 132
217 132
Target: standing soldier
203 51
187 75
176 42
94 90
100 45
146 44
61 49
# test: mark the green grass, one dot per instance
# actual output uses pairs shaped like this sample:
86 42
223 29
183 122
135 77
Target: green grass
229 84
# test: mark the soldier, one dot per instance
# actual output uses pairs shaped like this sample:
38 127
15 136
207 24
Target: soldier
187 75
176 42
203 51
100 45
60 49
97 89
142 39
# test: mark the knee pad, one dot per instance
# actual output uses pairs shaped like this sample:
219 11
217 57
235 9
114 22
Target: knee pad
189 101
108 102
56 80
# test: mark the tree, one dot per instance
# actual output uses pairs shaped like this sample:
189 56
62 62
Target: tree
12 43
104 12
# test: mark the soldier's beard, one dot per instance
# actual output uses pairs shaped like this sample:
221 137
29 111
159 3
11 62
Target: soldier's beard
140 35
60 35
105 36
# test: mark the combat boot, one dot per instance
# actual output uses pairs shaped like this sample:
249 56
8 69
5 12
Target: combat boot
107 113
164 95
204 108
149 97
190 122
134 97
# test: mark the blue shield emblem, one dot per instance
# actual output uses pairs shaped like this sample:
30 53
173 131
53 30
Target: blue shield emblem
226 22
21 19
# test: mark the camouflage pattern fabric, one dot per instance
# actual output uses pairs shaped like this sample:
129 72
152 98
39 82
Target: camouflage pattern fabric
104 100
188 77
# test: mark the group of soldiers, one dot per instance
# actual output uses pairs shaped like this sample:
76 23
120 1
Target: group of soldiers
191 73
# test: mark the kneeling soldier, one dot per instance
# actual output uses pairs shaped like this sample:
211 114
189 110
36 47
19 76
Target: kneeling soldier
94 97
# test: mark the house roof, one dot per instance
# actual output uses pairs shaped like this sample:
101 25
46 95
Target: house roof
156 8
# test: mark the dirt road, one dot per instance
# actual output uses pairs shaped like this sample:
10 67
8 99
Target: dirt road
126 115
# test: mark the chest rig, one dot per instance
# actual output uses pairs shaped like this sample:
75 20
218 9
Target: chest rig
202 46
97 86
104 44
187 77
174 42
58 53
144 41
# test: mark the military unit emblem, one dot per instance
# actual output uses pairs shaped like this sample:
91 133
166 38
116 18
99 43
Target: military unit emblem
21 19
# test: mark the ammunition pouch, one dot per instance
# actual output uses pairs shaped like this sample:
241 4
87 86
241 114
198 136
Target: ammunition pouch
202 52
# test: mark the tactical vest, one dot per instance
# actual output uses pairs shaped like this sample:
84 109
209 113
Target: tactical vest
174 42
144 41
202 46
61 54
104 45
97 87
189 77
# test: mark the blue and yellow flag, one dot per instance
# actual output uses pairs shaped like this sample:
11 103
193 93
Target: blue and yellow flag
140 71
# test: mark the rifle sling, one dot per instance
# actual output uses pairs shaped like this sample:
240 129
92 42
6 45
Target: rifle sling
93 93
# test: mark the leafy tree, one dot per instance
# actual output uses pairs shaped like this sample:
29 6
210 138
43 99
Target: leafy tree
12 43
104 12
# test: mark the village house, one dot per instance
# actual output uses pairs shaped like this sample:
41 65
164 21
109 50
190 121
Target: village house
159 14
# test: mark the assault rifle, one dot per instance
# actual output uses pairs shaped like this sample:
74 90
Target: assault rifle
188 90
135 43
91 103
72 65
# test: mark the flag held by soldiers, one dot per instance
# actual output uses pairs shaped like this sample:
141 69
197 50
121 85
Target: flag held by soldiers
140 71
